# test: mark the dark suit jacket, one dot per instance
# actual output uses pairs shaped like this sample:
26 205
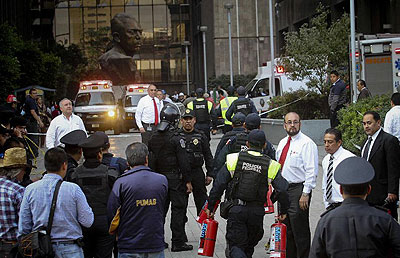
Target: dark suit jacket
364 94
384 157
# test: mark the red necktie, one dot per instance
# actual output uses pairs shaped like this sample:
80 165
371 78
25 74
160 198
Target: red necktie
155 111
285 151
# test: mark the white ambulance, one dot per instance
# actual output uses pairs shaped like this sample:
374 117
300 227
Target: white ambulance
378 63
130 100
95 103
259 88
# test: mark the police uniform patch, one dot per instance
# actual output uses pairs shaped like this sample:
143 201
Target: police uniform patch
187 111
182 142
195 141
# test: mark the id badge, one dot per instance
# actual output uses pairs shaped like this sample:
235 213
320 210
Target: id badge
149 128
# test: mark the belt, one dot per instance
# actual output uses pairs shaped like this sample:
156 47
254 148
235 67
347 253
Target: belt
246 203
143 123
295 184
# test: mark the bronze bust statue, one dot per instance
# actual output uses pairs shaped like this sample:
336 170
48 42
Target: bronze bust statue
118 62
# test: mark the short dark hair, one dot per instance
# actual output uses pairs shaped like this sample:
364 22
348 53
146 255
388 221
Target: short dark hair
220 92
193 94
362 82
136 154
395 98
355 189
18 121
335 72
32 89
375 114
54 159
72 149
91 153
336 132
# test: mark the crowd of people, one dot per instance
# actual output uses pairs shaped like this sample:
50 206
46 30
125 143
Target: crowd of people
112 204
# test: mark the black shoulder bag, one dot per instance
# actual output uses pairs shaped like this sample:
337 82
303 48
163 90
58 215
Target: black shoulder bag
37 244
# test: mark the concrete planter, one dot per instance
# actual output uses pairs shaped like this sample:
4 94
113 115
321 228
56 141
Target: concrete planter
314 129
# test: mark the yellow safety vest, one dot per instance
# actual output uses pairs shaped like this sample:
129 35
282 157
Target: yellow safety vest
210 105
232 159
225 104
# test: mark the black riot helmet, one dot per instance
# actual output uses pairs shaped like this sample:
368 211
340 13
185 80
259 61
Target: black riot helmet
169 116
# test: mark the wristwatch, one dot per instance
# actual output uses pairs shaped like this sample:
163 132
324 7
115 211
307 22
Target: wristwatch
305 194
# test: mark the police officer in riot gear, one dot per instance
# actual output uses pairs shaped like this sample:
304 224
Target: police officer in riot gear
96 181
168 157
71 141
198 150
204 113
246 176
238 143
241 104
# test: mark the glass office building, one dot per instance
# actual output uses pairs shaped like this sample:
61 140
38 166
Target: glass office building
165 23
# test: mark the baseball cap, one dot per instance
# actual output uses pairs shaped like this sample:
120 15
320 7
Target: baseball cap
256 138
252 121
238 119
11 98
188 113
241 91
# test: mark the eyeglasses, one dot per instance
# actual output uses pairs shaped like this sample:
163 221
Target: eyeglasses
292 122
153 90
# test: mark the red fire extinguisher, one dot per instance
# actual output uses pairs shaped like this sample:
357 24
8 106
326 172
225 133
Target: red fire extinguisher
269 206
277 244
203 215
208 237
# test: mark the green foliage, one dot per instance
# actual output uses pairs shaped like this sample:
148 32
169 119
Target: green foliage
10 68
314 106
316 49
351 120
224 81
95 43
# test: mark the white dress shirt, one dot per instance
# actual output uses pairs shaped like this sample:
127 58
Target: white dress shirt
145 111
372 143
60 126
301 164
338 157
392 122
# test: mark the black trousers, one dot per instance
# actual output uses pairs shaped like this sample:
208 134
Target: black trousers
98 242
178 198
199 188
244 230
298 225
205 127
150 128
33 127
333 116
5 250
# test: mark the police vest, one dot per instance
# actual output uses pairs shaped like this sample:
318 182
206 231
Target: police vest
227 136
225 104
164 154
94 184
242 105
193 148
240 143
252 172
200 108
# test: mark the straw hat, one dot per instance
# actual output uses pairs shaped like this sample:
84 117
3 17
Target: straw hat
14 158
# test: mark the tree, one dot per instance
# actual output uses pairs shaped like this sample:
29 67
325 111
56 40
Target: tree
10 68
316 49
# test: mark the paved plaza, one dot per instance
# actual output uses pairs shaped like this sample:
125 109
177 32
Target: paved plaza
118 145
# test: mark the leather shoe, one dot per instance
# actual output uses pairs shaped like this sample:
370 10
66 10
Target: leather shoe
166 245
180 248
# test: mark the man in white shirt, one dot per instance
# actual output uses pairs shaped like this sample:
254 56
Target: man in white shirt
63 124
335 154
298 155
392 118
148 114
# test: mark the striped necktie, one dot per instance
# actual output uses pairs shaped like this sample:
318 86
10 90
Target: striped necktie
329 179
